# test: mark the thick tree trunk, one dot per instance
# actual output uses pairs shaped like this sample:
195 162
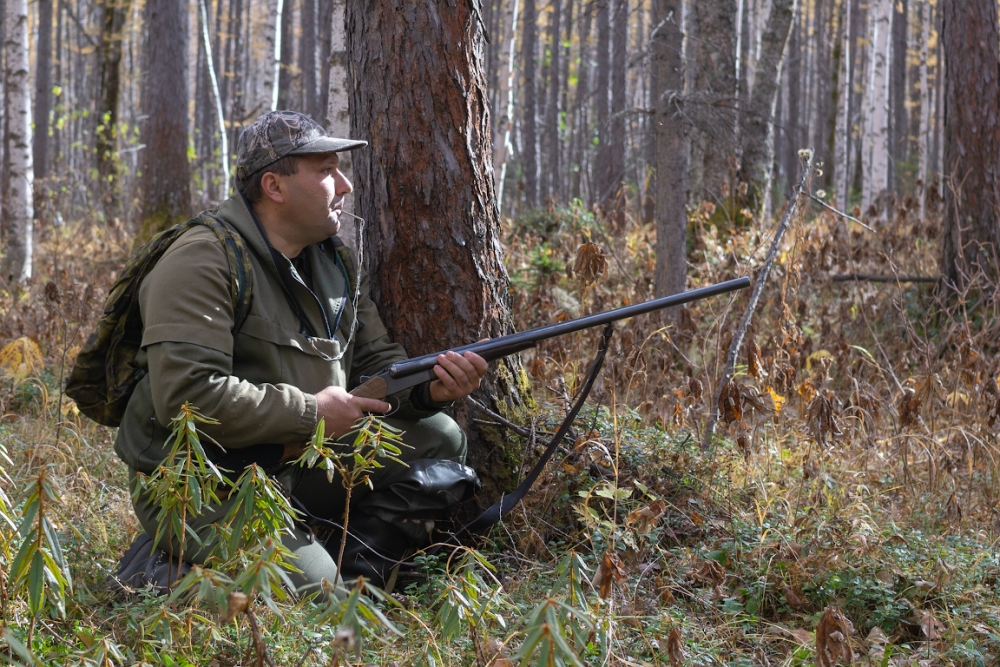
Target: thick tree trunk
530 167
972 140
426 186
18 209
166 174
672 150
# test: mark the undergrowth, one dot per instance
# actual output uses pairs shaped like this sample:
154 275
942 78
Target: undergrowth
848 499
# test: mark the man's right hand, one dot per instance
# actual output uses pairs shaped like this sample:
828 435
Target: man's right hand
342 410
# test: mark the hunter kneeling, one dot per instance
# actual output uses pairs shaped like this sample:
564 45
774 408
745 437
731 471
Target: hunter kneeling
269 370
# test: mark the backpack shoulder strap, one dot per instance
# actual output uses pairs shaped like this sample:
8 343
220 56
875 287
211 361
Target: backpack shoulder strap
240 267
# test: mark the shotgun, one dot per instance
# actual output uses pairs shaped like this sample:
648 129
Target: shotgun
405 374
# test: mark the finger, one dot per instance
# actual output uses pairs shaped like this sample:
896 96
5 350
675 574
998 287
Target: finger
463 370
480 364
447 372
371 405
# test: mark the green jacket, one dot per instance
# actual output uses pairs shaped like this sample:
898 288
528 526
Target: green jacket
260 383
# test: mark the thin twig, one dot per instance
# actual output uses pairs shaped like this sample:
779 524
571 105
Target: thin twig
765 271
840 213
520 430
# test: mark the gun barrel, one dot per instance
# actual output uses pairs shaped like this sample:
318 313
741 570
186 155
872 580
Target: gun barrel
527 338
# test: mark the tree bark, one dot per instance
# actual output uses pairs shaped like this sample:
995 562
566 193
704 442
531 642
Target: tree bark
530 167
307 61
970 37
114 13
43 91
923 176
338 117
757 130
580 125
426 186
876 136
286 72
899 139
553 167
672 150
602 99
166 174
614 194
18 208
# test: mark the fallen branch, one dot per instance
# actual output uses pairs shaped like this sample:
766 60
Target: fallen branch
765 271
874 278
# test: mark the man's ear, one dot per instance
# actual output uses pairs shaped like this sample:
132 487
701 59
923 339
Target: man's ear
270 186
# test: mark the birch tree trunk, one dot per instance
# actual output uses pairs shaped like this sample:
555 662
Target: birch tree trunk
876 149
166 174
434 252
602 100
505 97
553 140
672 150
338 117
971 41
18 208
286 95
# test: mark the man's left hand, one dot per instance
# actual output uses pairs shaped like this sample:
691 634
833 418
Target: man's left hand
458 376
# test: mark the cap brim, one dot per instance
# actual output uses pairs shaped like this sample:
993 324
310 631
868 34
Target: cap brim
329 145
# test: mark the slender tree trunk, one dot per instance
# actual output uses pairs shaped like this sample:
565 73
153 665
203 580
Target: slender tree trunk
614 194
18 208
236 101
338 117
220 117
286 71
529 128
844 125
923 177
307 61
602 99
971 40
501 136
43 92
898 145
792 120
114 15
877 137
325 11
426 186
166 174
672 149
580 118
757 132
554 139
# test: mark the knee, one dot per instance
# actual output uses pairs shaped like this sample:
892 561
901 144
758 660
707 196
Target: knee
439 437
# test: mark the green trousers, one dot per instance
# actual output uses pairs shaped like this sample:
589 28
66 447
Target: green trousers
435 437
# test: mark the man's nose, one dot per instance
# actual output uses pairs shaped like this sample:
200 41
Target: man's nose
343 184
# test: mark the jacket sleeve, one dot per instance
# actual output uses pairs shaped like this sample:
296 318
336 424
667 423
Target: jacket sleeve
187 316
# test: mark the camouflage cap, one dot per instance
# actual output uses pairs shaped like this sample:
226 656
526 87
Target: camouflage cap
279 133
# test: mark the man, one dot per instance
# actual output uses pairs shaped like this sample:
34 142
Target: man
304 344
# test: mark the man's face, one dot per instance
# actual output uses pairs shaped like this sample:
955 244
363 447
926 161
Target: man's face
314 198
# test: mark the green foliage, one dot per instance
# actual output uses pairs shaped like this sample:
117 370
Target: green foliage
39 567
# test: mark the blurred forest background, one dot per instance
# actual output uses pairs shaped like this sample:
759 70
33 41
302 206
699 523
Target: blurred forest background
102 97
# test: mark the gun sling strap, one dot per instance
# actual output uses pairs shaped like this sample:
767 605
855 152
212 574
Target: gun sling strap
507 502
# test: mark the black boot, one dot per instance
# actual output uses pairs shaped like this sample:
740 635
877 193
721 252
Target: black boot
145 565
397 519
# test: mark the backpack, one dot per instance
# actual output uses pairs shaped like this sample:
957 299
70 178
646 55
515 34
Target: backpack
105 374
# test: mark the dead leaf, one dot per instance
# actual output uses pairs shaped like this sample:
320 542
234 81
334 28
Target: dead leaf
754 366
832 638
711 572
610 571
674 648
953 511
796 600
877 637
21 358
731 403
647 517
930 626
822 418
591 263
236 603
776 398
695 388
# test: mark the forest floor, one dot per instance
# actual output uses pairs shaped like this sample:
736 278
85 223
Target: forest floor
848 510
